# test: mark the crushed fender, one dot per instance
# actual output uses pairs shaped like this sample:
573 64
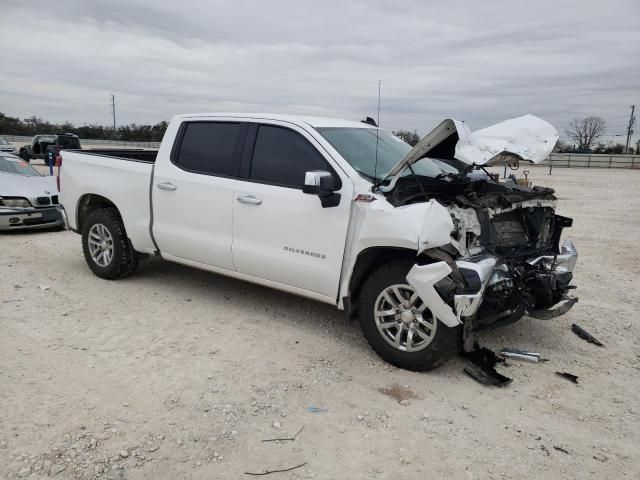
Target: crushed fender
569 376
481 366
582 333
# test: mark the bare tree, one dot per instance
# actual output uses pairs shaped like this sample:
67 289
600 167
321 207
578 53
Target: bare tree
408 136
585 131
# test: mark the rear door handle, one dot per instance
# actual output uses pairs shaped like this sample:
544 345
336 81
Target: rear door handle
167 186
250 199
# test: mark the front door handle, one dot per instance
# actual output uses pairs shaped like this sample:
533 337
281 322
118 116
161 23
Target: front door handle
250 199
167 186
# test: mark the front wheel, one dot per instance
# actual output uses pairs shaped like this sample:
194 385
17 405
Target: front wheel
399 326
105 245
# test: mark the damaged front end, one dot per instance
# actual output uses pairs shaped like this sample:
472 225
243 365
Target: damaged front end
504 259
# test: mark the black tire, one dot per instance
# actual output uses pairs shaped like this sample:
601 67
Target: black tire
124 260
446 342
25 156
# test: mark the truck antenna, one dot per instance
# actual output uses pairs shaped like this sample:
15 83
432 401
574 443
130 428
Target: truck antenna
375 166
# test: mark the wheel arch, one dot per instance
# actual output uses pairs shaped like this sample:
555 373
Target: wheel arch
88 203
366 262
372 258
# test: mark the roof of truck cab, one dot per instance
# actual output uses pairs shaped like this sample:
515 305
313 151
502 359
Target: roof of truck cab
319 122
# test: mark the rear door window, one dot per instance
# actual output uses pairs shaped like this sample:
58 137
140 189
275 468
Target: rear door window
282 157
209 148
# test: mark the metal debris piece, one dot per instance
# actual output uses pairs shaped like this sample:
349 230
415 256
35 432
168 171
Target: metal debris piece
481 366
517 354
582 333
521 352
560 449
568 376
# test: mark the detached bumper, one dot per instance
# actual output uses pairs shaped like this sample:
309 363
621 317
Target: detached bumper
484 271
30 218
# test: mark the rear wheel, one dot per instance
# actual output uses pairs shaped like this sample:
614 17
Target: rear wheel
105 245
399 326
25 156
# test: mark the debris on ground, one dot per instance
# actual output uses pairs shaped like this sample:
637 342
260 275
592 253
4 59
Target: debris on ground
285 439
481 366
582 333
517 354
568 376
560 449
267 472
313 409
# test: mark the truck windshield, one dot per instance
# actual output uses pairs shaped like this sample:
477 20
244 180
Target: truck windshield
358 147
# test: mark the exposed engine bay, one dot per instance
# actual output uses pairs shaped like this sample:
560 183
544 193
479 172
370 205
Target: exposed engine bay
505 255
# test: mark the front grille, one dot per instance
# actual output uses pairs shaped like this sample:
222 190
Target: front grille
43 200
54 199
34 221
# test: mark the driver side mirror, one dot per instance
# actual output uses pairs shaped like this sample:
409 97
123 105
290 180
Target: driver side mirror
324 185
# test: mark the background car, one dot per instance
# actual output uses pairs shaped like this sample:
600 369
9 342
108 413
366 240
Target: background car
6 147
27 199
41 144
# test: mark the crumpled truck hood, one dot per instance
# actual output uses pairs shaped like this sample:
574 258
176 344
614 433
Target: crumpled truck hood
527 138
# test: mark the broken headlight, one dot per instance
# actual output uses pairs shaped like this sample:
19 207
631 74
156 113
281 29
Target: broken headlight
14 202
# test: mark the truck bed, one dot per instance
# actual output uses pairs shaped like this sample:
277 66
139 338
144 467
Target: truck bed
121 176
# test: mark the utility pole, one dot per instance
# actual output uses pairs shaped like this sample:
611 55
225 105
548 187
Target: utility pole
632 121
113 110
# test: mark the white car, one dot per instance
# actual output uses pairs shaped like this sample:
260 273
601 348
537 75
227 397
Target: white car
28 200
421 244
6 147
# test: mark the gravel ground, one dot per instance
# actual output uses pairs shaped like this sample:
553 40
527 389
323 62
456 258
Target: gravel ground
178 373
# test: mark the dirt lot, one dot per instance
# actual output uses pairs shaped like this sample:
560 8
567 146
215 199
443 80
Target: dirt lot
177 373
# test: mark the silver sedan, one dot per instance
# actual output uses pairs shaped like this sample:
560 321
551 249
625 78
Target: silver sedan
27 199
6 147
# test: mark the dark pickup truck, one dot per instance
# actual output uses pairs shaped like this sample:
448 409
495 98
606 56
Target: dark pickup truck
41 145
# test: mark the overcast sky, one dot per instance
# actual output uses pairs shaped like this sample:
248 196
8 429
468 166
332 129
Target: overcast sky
480 62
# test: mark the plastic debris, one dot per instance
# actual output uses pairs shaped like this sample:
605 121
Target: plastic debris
481 366
582 333
569 376
312 409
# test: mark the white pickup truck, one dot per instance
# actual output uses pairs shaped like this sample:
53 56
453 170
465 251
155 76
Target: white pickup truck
422 244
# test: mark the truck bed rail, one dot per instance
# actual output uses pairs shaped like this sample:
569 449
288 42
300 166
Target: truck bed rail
134 154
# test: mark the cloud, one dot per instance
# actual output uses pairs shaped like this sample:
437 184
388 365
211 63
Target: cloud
479 63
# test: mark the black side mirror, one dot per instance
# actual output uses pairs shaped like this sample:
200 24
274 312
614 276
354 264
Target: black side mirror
324 185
